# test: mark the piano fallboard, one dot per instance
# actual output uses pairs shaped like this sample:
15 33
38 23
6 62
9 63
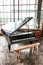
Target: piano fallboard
22 35
31 39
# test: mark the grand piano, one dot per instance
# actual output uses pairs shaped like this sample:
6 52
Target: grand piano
13 35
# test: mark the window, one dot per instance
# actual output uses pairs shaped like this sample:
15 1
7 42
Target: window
41 16
25 8
42 11
14 10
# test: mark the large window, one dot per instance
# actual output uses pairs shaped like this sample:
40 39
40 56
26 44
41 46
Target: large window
6 11
25 8
13 10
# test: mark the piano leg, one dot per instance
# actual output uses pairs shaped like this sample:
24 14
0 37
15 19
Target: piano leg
18 55
9 47
36 50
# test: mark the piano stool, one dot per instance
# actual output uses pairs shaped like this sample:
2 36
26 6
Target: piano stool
34 45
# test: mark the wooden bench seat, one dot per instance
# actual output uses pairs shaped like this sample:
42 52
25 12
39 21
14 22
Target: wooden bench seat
18 50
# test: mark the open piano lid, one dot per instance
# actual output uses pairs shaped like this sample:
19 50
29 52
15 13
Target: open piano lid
11 27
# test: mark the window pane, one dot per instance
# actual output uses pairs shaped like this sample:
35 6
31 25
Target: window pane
23 1
20 7
1 8
24 7
28 7
23 15
36 7
11 2
16 7
11 9
28 14
20 15
20 1
1 15
1 2
16 1
16 19
8 20
8 2
32 7
32 14
36 1
28 1
12 15
11 20
5 2
32 1
6 15
6 8
16 15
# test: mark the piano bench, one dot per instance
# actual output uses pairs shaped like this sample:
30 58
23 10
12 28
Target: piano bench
34 45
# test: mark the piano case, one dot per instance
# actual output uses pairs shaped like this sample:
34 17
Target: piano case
12 36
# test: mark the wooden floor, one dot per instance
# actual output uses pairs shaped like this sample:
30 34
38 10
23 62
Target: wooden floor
27 58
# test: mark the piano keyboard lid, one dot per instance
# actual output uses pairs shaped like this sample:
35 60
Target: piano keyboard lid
11 27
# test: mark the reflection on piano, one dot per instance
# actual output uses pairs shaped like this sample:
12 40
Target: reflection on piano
12 34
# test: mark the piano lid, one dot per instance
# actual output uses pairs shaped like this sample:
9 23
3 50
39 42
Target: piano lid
11 27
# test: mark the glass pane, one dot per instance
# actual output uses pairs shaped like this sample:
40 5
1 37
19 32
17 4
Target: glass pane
28 7
16 7
5 2
1 8
16 19
32 1
20 1
11 9
8 2
1 2
2 20
1 15
24 7
8 20
23 1
23 15
28 14
11 20
32 7
16 1
12 15
32 14
28 1
11 2
20 7
16 15
36 7
6 8
6 15
36 1
20 15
